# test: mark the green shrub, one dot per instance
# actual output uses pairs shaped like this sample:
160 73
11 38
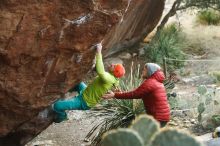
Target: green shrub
173 102
209 17
215 75
169 43
216 120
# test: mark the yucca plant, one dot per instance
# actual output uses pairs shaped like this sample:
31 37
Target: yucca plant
117 113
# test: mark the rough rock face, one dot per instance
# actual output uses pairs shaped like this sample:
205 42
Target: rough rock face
46 46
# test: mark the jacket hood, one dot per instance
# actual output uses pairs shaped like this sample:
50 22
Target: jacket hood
159 76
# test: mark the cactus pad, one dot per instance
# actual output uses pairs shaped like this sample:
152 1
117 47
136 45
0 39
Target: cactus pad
122 137
172 137
146 126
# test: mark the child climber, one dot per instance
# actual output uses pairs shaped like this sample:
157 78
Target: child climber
89 96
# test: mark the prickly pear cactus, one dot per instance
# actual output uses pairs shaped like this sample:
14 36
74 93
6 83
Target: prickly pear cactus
122 137
202 89
145 132
146 127
172 137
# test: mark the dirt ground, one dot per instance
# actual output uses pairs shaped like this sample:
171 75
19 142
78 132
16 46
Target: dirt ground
67 133
73 131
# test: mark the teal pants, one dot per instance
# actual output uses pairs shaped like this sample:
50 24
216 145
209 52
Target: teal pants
75 103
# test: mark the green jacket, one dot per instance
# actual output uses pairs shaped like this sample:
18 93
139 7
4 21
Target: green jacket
100 85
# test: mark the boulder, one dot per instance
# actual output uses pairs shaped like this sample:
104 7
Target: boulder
47 46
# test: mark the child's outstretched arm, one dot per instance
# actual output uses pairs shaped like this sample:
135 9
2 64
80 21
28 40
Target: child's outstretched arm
99 62
105 76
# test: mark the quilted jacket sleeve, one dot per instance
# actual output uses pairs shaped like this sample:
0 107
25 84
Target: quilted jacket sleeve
144 89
